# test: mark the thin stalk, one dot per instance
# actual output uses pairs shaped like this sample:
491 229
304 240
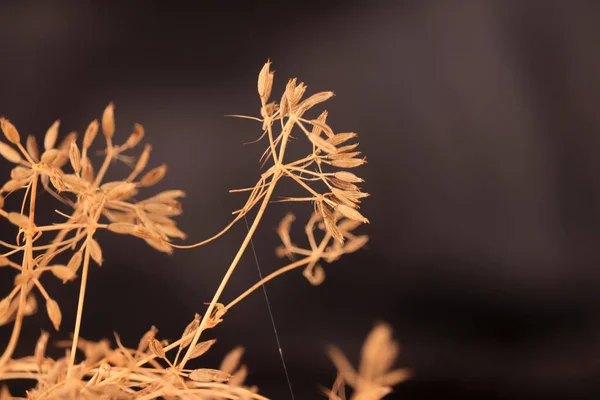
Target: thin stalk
230 270
267 278
27 256
84 276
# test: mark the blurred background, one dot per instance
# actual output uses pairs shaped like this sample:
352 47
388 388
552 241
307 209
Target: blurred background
480 123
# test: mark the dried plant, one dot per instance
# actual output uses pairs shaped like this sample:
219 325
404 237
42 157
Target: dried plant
156 368
373 380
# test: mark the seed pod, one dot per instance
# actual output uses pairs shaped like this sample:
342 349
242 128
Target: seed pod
202 348
208 375
18 219
122 228
75 261
192 326
50 156
87 170
265 82
322 144
347 177
9 153
142 162
51 135
232 360
153 176
32 148
341 138
315 99
136 136
54 313
108 121
322 126
330 223
348 163
75 157
156 348
10 131
90 134
63 273
95 251
351 213
145 340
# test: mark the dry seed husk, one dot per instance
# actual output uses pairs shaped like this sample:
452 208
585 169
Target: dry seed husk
90 134
341 138
122 228
63 273
51 135
54 313
348 177
315 99
351 213
329 221
136 136
153 176
265 82
201 348
343 184
9 153
232 360
322 144
10 131
18 219
348 163
323 126
343 156
75 157
108 121
75 261
95 251
156 348
32 147
50 156
208 375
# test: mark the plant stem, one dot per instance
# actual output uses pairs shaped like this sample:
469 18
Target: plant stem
84 276
27 258
232 267
267 278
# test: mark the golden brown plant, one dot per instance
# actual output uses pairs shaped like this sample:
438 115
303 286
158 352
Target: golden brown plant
156 368
373 380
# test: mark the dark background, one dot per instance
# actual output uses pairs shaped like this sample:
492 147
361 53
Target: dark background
480 121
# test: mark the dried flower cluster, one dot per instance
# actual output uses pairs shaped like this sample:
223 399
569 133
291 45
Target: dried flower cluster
156 368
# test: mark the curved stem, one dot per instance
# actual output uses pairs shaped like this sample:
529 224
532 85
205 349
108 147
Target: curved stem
267 278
